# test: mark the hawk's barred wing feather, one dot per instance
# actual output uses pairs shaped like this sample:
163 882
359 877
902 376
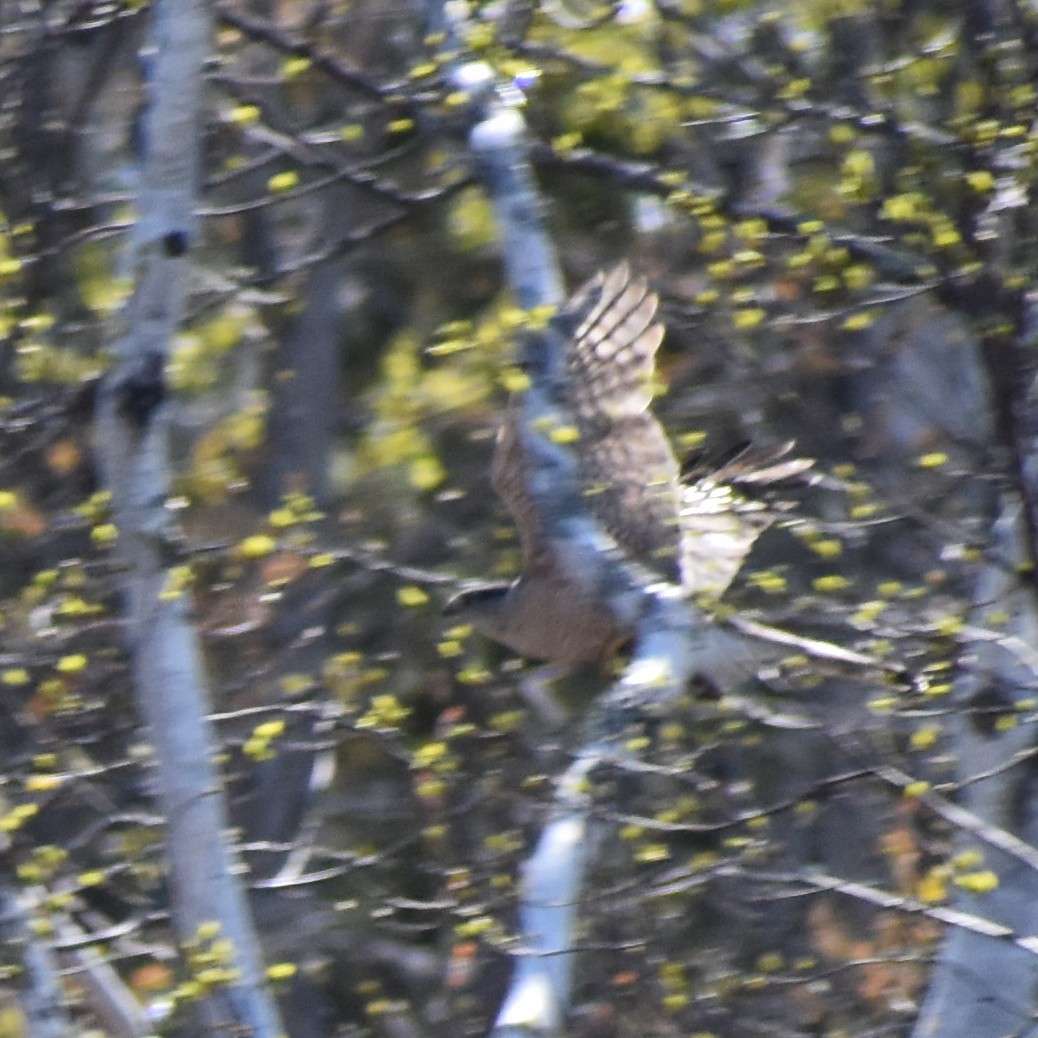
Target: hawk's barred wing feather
719 523
612 347
509 474
626 462
749 465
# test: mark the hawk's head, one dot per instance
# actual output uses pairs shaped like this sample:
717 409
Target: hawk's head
480 604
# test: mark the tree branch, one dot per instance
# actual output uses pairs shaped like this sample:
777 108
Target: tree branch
166 657
673 640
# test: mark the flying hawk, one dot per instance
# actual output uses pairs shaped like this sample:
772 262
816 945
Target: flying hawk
695 533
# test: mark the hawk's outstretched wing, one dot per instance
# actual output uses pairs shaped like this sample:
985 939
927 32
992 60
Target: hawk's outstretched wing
720 524
627 466
509 474
611 342
696 534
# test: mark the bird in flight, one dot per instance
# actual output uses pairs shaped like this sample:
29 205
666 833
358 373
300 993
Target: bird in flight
694 532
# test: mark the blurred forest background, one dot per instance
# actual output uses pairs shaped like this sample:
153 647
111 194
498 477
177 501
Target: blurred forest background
834 199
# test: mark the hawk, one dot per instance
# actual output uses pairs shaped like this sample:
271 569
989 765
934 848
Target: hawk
693 532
